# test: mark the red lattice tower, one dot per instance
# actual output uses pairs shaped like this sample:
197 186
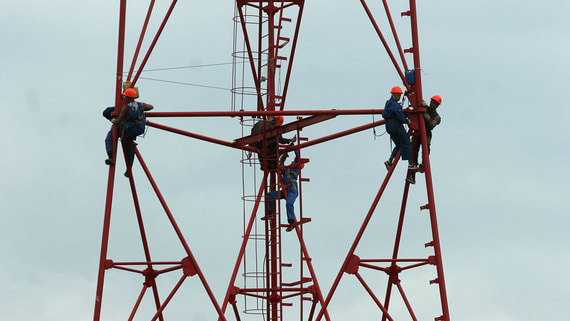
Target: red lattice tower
269 49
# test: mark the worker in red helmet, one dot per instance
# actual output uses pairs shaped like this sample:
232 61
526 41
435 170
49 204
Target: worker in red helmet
131 121
432 119
395 120
289 192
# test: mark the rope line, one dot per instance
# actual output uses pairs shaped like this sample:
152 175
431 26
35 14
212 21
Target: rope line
188 67
185 83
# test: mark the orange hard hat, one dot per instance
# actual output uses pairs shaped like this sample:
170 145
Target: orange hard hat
396 90
278 120
130 92
437 98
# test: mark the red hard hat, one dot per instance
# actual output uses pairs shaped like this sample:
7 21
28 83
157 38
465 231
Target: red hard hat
278 120
396 90
437 98
130 92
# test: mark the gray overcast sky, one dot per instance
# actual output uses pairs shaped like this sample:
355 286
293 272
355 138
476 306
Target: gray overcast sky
497 158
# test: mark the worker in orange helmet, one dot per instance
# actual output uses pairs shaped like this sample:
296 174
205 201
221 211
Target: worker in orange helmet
395 120
278 120
131 121
272 142
432 119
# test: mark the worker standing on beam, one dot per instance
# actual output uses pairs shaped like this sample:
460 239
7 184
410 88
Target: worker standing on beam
131 121
395 120
289 193
432 119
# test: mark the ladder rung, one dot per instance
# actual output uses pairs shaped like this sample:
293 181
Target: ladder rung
302 281
286 304
302 221
284 43
285 19
281 58
304 179
286 264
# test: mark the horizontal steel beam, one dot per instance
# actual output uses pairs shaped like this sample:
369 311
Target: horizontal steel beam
264 113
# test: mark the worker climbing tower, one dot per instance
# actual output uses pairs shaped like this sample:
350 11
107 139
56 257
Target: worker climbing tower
263 290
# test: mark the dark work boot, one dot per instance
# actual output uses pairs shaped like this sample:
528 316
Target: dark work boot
268 217
388 164
109 160
291 226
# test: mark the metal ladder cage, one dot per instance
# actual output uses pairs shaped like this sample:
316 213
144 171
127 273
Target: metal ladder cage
253 267
241 92
252 22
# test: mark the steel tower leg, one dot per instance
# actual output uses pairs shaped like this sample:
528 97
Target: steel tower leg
111 176
429 184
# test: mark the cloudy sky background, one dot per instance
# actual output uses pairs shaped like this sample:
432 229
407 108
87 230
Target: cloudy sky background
498 157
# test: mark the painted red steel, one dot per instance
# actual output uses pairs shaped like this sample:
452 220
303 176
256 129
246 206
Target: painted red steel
269 103
111 176
154 41
141 38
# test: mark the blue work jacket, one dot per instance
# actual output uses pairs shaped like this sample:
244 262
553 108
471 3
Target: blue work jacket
290 175
393 112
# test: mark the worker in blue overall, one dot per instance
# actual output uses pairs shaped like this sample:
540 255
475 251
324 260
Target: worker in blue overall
395 120
131 121
432 119
289 193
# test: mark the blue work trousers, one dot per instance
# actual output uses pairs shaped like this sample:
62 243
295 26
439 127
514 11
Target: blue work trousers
127 140
290 201
400 138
